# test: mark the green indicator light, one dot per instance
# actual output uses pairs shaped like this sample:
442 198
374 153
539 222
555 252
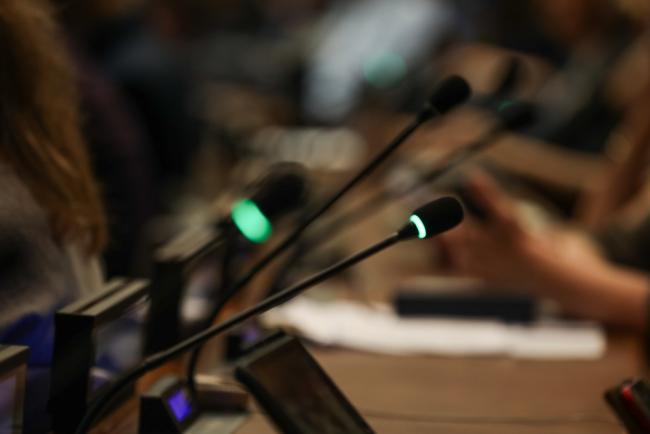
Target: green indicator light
252 223
422 231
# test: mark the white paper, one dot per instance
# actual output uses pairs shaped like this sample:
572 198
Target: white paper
379 330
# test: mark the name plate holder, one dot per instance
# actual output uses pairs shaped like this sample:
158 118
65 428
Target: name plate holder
294 390
95 340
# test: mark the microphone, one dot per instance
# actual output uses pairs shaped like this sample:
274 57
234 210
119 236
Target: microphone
281 190
450 93
511 116
432 219
426 222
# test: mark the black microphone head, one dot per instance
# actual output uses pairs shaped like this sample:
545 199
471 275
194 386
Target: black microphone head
449 93
283 189
433 218
516 115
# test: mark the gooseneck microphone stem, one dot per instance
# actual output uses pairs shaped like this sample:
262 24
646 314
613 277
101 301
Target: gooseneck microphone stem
293 237
156 360
424 116
379 159
381 198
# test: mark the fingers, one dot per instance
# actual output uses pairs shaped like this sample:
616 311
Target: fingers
466 248
501 210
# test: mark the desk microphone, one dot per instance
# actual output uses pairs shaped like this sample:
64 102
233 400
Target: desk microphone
282 189
512 116
426 222
450 93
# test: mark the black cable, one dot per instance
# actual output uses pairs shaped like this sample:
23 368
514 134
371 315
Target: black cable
154 361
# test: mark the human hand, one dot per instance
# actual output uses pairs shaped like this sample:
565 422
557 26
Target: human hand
504 252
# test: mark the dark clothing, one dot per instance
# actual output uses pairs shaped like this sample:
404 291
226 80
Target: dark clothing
121 156
152 75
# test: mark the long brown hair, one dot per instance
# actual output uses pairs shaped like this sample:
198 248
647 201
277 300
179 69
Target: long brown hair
40 135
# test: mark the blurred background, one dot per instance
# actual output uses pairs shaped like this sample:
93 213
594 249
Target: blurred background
186 101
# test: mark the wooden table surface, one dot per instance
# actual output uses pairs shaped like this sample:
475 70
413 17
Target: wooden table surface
479 395
404 395
456 395
398 394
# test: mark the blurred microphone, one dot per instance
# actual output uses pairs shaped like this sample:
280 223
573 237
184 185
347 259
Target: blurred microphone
512 116
281 190
284 189
426 222
449 93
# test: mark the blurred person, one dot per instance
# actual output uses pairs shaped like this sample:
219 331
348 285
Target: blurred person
150 66
554 262
596 265
53 216
594 34
52 224
120 139
578 113
620 195
574 46
143 56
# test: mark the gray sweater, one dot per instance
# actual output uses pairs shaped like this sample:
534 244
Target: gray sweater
36 274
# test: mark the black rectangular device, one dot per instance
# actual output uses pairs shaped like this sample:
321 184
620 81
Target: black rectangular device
473 304
294 390
172 271
95 340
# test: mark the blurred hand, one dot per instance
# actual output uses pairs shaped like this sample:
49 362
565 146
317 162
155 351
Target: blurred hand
503 252
558 264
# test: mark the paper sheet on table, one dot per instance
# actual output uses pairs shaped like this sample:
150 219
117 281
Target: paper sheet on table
380 330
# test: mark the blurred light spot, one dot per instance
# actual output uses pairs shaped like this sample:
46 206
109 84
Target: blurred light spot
384 70
252 223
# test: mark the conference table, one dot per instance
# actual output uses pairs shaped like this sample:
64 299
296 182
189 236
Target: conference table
398 394
436 394
429 394
479 395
